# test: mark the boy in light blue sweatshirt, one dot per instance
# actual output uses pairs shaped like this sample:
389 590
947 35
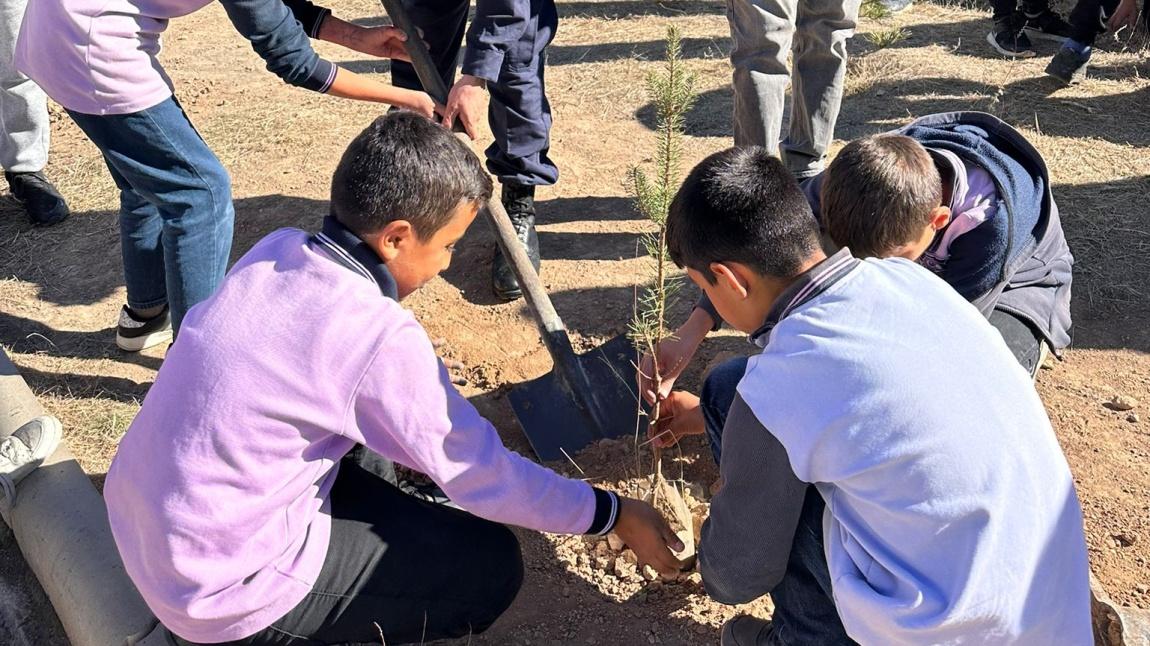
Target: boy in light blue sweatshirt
876 502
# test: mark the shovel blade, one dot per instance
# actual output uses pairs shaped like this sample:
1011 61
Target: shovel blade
555 419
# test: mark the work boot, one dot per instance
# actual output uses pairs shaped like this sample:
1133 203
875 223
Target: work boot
24 450
745 630
520 204
42 202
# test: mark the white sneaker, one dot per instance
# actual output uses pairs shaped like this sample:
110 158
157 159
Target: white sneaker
24 450
134 334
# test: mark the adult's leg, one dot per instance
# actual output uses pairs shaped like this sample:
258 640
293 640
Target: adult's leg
519 113
163 159
444 23
401 568
761 31
820 67
23 106
1024 341
716 398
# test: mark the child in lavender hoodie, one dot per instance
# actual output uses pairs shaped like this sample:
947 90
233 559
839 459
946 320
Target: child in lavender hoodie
100 61
231 501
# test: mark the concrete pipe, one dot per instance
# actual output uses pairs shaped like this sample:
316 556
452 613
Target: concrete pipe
61 525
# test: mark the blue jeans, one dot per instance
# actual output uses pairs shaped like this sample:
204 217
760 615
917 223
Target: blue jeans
805 611
176 211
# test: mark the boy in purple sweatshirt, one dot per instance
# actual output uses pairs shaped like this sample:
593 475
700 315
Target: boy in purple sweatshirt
230 500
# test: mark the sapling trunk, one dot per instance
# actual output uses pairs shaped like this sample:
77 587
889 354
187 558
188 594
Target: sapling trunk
672 92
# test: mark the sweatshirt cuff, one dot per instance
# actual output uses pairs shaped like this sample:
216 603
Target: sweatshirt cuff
708 307
321 77
482 62
317 23
606 512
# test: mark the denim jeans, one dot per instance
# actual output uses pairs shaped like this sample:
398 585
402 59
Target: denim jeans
805 611
765 33
176 211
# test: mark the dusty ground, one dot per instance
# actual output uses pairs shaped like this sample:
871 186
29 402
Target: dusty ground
60 288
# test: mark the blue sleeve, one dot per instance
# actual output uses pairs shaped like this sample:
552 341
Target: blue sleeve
497 25
977 260
281 41
309 15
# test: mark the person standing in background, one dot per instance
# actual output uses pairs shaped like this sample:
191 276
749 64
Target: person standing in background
24 121
506 55
100 61
764 32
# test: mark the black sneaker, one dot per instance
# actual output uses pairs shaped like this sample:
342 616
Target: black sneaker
42 202
745 630
1009 38
1068 66
520 204
134 333
1047 25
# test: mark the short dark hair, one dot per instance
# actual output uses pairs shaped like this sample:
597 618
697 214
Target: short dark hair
741 205
878 194
405 167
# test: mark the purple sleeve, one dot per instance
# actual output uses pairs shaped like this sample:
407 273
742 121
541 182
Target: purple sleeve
406 409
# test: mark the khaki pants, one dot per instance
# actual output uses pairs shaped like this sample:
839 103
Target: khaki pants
764 33
23 106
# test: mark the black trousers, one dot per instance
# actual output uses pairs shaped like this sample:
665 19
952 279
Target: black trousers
1088 19
417 570
1024 341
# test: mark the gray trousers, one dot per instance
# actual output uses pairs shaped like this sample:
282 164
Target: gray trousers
764 33
23 106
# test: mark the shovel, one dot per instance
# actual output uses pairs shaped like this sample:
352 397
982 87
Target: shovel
586 397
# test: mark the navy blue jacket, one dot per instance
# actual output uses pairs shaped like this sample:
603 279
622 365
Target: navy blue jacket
1017 261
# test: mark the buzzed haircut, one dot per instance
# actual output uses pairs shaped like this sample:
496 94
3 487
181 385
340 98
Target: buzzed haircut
741 205
405 167
878 194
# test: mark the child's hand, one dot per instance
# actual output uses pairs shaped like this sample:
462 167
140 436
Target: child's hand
1126 15
417 101
649 536
466 101
679 415
674 354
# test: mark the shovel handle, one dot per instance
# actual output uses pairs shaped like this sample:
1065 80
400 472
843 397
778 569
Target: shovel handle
554 332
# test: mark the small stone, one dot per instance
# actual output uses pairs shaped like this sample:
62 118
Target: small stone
649 573
1133 418
1141 589
1125 540
1121 403
695 578
615 542
655 586
630 557
651 639
602 548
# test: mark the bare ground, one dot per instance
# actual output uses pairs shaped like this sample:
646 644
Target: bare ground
60 288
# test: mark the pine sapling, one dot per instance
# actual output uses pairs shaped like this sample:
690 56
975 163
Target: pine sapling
671 90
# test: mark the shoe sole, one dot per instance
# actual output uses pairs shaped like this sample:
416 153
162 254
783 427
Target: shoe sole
137 343
1042 35
1075 78
1006 52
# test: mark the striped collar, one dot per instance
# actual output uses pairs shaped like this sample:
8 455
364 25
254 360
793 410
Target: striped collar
347 249
806 287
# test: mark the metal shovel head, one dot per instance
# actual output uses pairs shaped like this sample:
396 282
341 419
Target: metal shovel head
555 419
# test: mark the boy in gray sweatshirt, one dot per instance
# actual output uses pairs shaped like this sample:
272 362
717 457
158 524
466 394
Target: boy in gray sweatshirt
877 503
